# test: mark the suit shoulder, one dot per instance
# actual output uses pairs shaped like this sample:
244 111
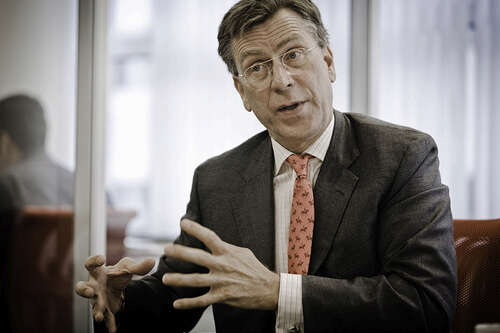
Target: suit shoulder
381 135
236 157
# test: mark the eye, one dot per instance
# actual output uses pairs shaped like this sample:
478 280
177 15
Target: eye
292 55
255 68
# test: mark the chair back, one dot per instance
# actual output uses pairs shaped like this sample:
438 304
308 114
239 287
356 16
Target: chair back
477 243
39 273
39 269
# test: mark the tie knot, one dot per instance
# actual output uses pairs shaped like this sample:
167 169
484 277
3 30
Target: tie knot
299 163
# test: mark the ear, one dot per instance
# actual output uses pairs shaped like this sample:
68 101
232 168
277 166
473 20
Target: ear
241 90
328 58
3 143
9 151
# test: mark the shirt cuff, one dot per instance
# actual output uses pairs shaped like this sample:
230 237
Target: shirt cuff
290 313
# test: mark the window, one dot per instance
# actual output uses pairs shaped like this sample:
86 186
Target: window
433 68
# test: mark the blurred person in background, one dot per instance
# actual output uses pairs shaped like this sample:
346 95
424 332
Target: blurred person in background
28 176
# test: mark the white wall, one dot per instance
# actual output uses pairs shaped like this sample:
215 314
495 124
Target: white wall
38 57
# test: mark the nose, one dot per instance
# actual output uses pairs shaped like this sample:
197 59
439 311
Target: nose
280 77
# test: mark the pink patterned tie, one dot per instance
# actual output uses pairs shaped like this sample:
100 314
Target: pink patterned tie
301 217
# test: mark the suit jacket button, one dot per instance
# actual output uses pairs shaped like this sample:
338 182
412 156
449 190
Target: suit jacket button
293 329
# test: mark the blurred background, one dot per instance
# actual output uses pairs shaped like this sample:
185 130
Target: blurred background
133 96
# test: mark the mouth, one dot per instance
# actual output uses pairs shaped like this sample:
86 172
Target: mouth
289 107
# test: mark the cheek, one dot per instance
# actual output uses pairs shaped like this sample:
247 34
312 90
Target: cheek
323 88
315 89
259 102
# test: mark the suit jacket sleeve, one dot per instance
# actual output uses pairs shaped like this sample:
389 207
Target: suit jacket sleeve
415 289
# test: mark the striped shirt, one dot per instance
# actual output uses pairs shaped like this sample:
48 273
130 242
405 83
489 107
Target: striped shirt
290 312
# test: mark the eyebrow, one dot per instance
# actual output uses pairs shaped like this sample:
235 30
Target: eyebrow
287 40
248 53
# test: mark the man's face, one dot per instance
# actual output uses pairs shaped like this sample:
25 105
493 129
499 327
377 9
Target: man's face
296 106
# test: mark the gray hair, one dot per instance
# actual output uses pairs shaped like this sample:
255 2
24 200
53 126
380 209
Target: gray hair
246 14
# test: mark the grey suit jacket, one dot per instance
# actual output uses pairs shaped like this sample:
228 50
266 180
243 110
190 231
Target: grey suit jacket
382 256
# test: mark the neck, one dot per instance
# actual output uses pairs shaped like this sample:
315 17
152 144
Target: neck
297 146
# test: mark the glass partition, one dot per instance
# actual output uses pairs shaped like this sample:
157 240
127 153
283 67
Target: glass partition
37 149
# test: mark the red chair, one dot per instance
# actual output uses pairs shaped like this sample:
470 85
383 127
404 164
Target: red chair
477 243
39 271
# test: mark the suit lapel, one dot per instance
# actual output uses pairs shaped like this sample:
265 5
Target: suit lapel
333 190
253 206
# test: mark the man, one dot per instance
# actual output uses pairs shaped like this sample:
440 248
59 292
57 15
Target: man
370 248
28 176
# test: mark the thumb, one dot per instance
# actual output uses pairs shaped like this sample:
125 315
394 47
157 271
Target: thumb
93 262
142 267
132 267
119 275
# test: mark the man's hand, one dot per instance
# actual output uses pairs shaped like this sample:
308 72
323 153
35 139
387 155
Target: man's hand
235 275
106 284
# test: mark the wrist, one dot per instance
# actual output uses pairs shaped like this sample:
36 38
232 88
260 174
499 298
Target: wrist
275 288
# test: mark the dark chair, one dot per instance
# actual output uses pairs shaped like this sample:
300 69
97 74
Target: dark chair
477 243
39 271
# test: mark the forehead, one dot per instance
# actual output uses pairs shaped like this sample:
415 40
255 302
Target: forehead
283 27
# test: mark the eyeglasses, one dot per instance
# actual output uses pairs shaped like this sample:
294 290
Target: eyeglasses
258 76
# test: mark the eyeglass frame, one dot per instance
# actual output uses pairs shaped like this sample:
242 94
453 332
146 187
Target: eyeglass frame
269 68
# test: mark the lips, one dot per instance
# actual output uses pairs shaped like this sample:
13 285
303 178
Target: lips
288 107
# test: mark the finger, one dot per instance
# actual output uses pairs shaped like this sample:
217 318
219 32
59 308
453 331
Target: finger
142 267
110 322
120 269
187 280
196 302
207 236
93 262
127 266
84 289
99 308
196 256
98 314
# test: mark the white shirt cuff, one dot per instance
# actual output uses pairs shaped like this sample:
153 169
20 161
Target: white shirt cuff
290 303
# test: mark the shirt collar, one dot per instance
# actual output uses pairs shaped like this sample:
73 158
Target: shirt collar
317 149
